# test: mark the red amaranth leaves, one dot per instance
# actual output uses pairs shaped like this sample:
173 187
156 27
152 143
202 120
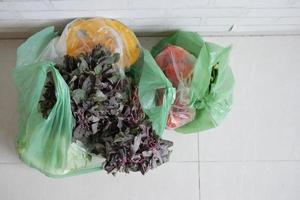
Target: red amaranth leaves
108 117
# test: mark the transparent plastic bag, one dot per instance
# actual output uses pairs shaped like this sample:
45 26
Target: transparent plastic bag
82 35
177 64
46 144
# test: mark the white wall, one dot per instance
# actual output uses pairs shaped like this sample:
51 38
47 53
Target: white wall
210 16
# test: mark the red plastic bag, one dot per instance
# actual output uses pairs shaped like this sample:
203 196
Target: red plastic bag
177 64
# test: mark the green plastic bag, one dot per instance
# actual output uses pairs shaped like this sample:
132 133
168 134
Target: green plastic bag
212 100
152 79
46 144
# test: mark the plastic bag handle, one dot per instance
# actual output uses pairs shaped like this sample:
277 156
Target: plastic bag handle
152 78
45 140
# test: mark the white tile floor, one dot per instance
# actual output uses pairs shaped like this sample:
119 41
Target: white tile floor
253 155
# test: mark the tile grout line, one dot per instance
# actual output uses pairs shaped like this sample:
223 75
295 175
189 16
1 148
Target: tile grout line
245 161
198 158
16 163
11 163
203 34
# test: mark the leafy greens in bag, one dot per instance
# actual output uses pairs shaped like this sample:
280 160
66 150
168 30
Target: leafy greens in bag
108 117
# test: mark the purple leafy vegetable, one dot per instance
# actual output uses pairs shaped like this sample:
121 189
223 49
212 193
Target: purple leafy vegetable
109 118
